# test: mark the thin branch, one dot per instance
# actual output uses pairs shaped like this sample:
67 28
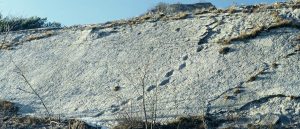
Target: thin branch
144 103
31 87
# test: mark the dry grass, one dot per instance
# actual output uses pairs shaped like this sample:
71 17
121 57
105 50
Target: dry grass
193 122
10 120
259 8
237 91
243 36
226 97
231 10
254 32
181 15
5 46
131 124
297 48
198 12
203 122
217 11
8 108
224 42
279 5
41 36
8 46
283 23
77 124
30 121
252 78
224 50
47 123
145 17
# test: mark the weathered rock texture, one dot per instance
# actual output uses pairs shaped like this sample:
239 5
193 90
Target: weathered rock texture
97 72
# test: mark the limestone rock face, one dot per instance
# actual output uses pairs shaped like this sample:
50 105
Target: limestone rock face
178 63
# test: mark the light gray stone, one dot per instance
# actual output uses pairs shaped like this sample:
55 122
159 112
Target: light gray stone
270 119
74 70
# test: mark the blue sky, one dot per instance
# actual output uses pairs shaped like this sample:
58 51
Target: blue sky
71 12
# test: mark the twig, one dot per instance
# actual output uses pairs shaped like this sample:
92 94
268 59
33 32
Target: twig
31 87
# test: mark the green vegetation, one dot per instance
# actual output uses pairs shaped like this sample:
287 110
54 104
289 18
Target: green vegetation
10 23
170 9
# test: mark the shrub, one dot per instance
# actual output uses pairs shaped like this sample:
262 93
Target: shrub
18 23
167 8
178 7
181 15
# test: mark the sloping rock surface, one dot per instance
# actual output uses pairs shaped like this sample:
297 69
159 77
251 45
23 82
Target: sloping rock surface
98 73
